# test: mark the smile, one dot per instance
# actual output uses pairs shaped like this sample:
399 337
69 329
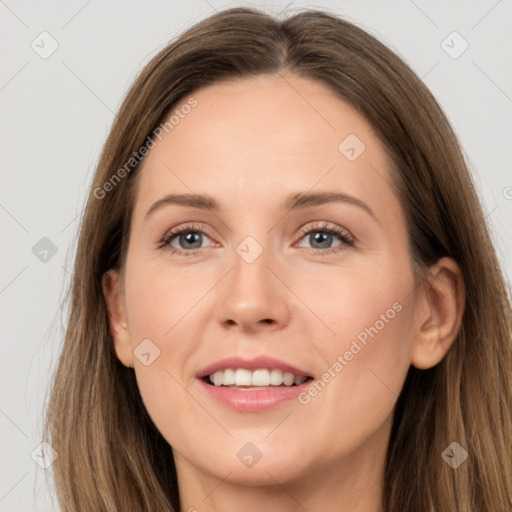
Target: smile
252 385
242 378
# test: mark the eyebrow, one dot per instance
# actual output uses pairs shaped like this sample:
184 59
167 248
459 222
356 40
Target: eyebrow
295 201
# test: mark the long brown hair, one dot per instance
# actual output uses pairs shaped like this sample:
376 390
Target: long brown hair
111 457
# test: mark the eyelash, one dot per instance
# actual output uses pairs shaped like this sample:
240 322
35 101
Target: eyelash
342 234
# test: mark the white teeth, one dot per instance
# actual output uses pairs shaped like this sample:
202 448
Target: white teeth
218 378
276 377
229 377
242 377
288 378
260 378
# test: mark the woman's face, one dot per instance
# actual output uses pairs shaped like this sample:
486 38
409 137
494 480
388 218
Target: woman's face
263 274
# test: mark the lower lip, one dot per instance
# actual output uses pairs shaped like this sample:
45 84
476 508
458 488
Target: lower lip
253 401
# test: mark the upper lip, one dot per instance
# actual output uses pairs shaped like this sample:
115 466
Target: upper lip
251 364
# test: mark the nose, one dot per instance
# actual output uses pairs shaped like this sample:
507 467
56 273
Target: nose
254 296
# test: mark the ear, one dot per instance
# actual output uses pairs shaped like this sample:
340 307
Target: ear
112 291
440 306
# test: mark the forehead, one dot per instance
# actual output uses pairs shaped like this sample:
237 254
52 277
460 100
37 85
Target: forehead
250 137
271 117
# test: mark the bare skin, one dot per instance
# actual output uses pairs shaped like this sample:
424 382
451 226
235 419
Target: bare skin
250 144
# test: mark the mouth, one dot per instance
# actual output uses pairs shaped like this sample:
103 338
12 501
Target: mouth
260 379
253 385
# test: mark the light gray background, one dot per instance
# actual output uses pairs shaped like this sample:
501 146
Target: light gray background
55 114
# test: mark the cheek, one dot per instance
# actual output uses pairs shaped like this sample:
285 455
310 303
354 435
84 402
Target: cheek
366 362
370 306
157 299
373 363
160 306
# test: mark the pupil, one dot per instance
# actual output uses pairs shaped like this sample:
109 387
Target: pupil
189 238
320 237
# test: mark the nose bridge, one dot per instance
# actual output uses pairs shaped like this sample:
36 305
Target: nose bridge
253 294
251 261
250 249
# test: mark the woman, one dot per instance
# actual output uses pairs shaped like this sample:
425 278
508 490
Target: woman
250 371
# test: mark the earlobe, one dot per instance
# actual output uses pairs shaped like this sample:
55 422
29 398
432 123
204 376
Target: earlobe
113 293
440 309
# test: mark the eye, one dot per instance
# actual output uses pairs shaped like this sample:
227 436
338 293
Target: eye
322 235
189 237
